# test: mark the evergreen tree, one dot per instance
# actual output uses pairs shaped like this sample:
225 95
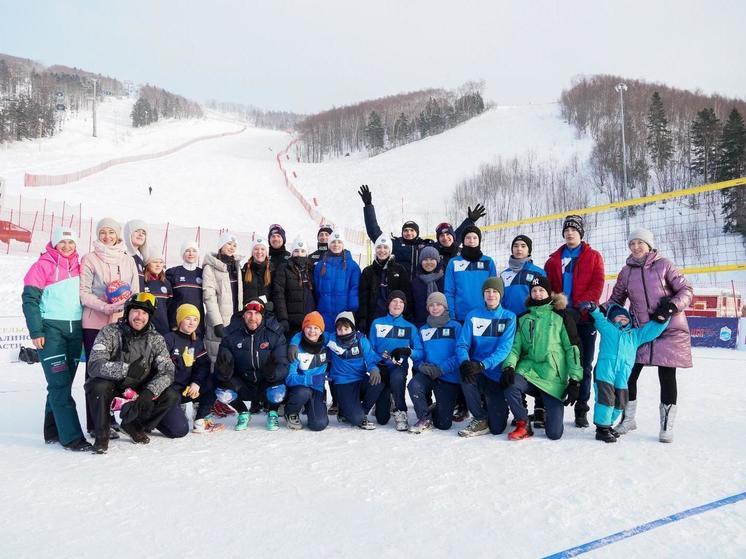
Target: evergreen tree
423 124
732 166
705 135
401 129
141 113
660 144
374 133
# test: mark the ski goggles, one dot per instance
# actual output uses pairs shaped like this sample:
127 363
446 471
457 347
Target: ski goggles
144 298
255 306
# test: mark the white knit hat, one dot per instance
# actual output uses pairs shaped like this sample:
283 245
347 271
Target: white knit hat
60 234
298 244
260 241
225 238
337 236
383 240
644 235
186 245
111 224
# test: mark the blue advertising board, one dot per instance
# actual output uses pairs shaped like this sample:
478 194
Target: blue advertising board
713 332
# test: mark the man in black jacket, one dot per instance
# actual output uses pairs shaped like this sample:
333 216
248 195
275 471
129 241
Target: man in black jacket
379 280
407 248
255 352
322 243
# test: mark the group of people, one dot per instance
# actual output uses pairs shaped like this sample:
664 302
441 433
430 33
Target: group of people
307 334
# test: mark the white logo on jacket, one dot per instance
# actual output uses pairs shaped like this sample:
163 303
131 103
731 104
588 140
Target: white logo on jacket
305 360
480 325
335 348
427 334
565 262
508 276
460 265
382 330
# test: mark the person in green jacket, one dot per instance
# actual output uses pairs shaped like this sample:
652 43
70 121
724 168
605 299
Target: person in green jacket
544 360
51 306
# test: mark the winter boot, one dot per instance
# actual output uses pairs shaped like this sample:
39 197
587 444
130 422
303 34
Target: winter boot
136 433
581 415
604 434
101 445
333 409
293 421
537 418
522 430
460 413
367 424
475 428
421 426
242 423
668 414
273 421
628 422
400 419
80 445
207 425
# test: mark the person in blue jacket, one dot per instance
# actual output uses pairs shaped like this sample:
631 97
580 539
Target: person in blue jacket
486 340
465 275
356 377
249 359
307 376
616 356
406 248
186 286
438 369
395 340
428 279
192 377
336 280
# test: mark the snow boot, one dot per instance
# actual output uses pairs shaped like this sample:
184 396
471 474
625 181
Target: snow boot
50 429
273 421
581 415
423 425
604 434
400 419
522 430
628 422
136 433
207 425
460 413
333 409
537 418
475 428
242 423
80 445
101 445
668 414
367 424
293 421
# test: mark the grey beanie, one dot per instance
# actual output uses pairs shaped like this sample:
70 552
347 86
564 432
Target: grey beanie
644 235
437 297
111 224
429 252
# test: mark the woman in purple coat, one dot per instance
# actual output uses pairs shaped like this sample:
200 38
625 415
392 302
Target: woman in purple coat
656 291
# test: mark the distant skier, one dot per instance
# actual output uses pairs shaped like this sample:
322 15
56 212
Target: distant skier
150 191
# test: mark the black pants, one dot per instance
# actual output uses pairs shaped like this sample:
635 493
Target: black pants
89 336
99 394
666 377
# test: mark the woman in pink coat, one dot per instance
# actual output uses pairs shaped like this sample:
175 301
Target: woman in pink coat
102 299
656 291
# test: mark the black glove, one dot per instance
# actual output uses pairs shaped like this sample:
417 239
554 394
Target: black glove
470 370
587 306
603 309
573 392
136 373
665 310
285 326
375 378
507 378
219 330
401 353
430 370
292 353
365 194
477 212
224 364
141 409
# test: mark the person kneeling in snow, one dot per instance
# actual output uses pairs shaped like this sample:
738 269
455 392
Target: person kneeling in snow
192 377
616 356
306 376
354 373
544 361
251 358
131 354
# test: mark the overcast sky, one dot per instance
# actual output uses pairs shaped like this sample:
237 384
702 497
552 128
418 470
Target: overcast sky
307 56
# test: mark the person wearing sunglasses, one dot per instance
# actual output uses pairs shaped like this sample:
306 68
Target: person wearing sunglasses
130 354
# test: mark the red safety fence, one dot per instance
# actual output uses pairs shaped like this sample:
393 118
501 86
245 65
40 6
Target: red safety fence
66 178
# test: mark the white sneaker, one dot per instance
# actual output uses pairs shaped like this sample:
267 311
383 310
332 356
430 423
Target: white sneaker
475 428
400 417
206 425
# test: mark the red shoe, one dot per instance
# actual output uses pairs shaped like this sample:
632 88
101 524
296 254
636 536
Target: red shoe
219 409
522 431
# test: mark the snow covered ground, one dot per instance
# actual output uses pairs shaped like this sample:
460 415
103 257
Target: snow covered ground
349 493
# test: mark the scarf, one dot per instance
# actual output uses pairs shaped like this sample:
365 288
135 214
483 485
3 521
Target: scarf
472 254
431 280
517 264
438 321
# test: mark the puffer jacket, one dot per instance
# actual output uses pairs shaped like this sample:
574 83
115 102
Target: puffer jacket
218 298
117 345
645 284
292 292
546 348
336 280
51 291
97 269
258 355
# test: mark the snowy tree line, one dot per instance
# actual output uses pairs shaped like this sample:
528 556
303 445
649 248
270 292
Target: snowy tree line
154 103
674 138
29 95
274 120
380 124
